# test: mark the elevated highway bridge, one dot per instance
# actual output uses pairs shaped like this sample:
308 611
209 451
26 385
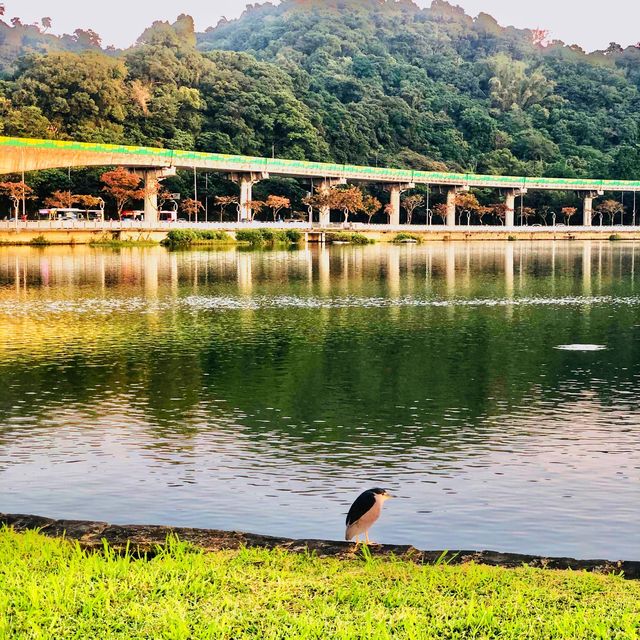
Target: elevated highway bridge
19 155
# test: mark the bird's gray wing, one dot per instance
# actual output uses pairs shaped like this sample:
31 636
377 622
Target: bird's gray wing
363 503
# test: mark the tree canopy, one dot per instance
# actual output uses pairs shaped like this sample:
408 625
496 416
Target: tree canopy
360 81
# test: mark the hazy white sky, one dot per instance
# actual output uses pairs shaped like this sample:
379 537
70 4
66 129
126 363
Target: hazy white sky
588 23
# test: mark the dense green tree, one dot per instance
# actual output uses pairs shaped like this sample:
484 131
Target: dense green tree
349 81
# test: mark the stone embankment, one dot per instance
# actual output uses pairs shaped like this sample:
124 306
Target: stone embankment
81 233
149 538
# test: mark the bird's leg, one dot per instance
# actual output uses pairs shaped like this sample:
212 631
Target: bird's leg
366 537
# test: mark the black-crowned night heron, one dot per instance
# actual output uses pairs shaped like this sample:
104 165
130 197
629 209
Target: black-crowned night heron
364 512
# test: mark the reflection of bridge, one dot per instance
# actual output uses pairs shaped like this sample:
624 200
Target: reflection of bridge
20 154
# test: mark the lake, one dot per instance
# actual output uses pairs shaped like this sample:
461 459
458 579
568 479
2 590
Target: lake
493 387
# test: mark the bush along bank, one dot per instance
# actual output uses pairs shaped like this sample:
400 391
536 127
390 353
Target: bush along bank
269 237
348 238
189 237
406 238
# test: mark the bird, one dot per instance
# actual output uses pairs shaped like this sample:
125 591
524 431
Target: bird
364 512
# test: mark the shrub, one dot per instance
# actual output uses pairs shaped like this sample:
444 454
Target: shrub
180 236
257 237
404 237
39 241
252 236
212 234
351 238
187 237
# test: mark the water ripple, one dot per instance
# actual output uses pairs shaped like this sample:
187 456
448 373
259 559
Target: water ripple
101 306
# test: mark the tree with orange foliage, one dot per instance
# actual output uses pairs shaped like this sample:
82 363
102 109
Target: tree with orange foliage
610 208
348 200
16 192
59 200
441 211
388 211
468 204
411 203
123 186
568 213
277 204
255 207
224 201
370 206
191 207
90 202
321 199
499 211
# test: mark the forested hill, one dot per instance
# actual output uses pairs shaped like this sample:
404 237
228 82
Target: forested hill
363 81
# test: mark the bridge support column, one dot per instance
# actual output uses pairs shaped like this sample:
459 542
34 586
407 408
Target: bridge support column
246 182
587 211
324 188
510 206
152 179
451 204
396 190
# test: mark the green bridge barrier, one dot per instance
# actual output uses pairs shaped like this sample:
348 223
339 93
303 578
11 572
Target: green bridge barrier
25 154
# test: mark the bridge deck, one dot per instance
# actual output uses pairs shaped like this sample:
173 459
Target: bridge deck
24 154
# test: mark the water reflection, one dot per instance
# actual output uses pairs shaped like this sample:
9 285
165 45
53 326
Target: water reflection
241 389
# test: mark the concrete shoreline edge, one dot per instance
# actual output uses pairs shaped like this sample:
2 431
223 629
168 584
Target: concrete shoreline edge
148 538
36 235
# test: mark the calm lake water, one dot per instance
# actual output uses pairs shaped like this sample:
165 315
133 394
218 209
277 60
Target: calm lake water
262 391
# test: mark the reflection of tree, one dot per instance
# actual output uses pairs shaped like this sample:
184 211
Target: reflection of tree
310 366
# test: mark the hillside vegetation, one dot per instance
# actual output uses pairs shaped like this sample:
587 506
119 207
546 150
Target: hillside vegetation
360 81
345 80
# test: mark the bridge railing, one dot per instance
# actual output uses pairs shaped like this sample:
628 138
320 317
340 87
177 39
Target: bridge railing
141 225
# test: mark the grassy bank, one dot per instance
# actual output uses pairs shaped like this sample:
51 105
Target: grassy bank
51 589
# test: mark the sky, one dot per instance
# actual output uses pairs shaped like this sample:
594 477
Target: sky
590 24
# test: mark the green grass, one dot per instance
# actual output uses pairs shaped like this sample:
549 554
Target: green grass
51 589
117 244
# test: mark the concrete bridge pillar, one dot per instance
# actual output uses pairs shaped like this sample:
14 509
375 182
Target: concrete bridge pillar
324 188
587 211
510 206
246 182
152 179
451 204
396 190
